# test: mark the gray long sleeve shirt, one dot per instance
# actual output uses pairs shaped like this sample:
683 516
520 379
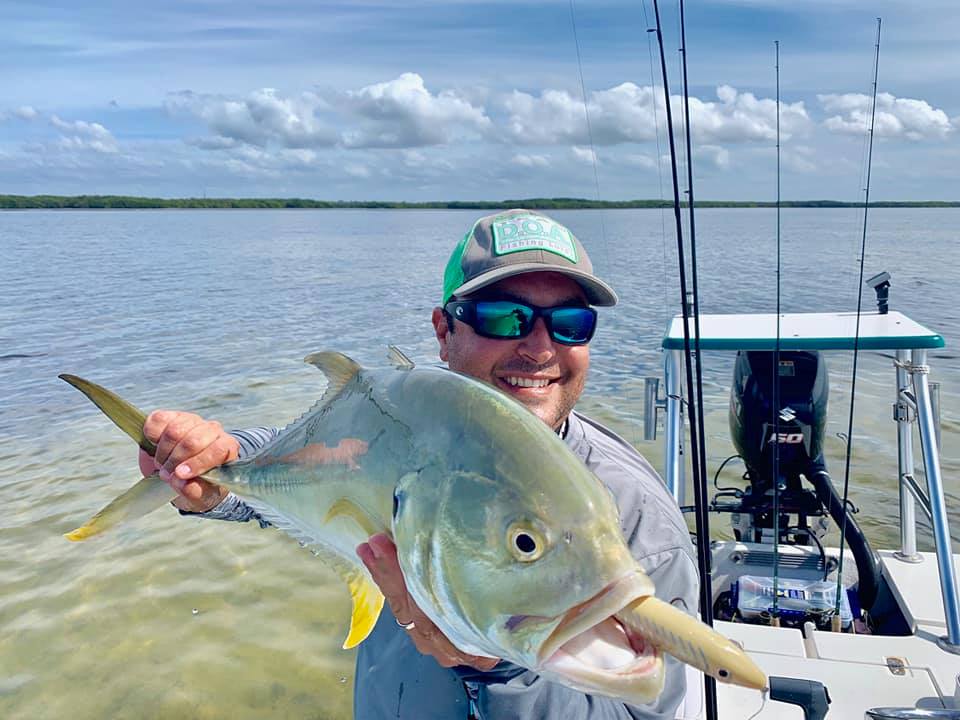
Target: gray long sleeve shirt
393 680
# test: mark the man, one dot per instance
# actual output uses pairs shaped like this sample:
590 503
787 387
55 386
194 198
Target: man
515 313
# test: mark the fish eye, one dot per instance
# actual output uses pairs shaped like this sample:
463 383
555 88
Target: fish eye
526 543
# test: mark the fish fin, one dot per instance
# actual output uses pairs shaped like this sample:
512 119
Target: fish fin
348 508
338 368
124 415
146 496
367 604
398 358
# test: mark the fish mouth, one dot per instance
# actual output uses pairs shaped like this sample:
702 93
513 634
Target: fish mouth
595 650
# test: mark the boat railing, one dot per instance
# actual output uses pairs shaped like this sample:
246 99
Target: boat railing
914 403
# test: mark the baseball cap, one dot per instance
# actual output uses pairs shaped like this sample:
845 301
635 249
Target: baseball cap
514 242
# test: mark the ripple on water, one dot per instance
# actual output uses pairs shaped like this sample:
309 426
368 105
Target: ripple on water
106 628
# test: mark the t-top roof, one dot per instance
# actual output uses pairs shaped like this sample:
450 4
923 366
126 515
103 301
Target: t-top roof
805 331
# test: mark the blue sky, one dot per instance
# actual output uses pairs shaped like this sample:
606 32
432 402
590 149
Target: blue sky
425 100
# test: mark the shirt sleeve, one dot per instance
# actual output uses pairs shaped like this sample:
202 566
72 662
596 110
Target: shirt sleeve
232 508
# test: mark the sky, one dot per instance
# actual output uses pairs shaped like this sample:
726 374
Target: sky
422 100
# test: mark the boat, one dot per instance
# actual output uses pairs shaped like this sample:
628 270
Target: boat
893 650
841 632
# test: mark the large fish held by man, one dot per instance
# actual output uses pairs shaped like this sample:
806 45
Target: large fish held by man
507 542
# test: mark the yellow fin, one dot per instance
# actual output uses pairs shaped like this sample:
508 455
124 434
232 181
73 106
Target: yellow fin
146 496
399 359
348 508
124 415
367 604
338 368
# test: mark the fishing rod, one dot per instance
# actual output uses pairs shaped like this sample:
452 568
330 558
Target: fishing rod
700 479
775 614
835 622
695 404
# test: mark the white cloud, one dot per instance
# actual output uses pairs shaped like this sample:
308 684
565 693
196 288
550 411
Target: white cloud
742 117
584 155
896 117
625 114
356 170
799 158
714 154
24 112
260 119
83 135
639 160
553 118
212 142
402 113
419 160
530 161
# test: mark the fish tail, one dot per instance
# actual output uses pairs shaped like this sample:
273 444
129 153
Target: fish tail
124 415
146 496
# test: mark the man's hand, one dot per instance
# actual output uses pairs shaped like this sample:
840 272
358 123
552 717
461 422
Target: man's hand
379 554
188 446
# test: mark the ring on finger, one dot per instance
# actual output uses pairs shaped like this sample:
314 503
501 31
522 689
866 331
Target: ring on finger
406 626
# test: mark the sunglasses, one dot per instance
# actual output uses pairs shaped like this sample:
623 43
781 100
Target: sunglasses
507 320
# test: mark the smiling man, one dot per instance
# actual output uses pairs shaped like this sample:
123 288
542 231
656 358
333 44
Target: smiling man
517 313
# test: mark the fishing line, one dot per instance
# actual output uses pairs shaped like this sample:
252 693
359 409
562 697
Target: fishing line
694 406
656 127
763 704
593 151
849 271
775 616
856 336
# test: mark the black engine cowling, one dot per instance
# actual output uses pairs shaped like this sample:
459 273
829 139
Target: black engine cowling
793 423
798 422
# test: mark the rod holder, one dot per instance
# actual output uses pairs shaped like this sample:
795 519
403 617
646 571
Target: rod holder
652 404
935 409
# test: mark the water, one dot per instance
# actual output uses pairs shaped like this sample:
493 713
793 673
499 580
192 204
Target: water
213 310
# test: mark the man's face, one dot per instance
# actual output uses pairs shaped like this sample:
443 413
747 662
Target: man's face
544 375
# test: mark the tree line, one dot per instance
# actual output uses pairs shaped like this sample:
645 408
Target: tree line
128 202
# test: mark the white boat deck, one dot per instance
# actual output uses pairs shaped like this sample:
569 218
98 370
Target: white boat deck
923 609
854 668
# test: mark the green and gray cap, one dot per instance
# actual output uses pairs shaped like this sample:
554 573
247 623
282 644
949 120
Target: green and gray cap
514 242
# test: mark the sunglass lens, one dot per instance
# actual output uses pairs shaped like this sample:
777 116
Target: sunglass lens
573 325
503 319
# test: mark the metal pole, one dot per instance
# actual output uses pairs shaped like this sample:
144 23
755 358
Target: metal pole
938 508
673 437
908 508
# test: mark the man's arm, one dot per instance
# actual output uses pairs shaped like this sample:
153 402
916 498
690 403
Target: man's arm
187 447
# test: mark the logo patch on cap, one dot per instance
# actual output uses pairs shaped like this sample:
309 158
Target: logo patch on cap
532 232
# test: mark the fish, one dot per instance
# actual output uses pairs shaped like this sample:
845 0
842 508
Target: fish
506 541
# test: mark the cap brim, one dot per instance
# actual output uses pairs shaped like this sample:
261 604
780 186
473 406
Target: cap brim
597 292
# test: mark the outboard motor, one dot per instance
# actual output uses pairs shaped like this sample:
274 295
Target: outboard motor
795 427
